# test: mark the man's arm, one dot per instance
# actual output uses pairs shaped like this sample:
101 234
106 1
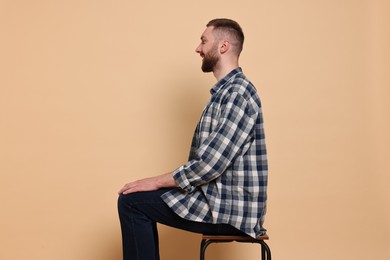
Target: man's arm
149 184
218 150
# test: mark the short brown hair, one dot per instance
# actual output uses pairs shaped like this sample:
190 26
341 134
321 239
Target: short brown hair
232 28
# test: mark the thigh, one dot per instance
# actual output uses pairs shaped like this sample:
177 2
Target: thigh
155 209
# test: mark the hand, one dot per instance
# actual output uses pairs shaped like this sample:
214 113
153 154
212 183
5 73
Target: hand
148 184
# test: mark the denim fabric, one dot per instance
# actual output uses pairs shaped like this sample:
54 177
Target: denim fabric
139 214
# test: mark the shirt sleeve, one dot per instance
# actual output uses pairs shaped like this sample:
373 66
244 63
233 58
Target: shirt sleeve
219 149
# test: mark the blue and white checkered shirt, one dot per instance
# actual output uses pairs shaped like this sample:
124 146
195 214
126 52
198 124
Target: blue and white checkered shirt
225 179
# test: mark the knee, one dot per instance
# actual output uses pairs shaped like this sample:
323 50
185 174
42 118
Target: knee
122 205
126 203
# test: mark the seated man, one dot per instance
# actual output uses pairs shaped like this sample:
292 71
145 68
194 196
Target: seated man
222 188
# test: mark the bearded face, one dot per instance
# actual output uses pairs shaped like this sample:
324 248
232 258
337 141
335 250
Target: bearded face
210 60
208 50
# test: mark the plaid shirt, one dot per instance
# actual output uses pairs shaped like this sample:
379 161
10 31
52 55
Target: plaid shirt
225 179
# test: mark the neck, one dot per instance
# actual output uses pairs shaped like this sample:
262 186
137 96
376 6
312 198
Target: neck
223 68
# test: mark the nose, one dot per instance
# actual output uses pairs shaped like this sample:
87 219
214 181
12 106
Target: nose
197 50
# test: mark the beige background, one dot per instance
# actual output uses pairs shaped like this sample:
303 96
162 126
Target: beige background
94 94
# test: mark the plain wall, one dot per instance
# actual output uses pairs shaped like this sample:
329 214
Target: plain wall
94 94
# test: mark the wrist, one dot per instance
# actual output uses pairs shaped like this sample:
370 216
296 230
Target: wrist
165 181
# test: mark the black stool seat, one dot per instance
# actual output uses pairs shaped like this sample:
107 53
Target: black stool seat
209 239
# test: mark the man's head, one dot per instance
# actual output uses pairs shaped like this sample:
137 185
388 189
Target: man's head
226 29
221 37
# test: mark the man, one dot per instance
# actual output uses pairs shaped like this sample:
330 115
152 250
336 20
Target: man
222 188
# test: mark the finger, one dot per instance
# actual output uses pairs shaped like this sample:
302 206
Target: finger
131 189
128 191
124 188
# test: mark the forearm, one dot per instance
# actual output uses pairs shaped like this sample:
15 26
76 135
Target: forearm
165 181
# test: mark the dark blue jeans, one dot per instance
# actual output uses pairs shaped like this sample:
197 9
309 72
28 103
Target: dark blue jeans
139 214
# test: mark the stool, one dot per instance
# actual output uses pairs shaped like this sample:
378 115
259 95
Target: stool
208 239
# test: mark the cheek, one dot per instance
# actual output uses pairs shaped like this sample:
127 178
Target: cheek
205 50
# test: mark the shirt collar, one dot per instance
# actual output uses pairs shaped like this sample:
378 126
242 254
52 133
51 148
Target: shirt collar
224 80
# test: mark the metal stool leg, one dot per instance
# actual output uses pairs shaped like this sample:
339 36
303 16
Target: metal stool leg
203 245
265 250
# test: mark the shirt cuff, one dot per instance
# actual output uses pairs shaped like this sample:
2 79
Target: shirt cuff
181 180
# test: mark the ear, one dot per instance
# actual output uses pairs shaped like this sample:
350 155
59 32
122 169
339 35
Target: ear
225 46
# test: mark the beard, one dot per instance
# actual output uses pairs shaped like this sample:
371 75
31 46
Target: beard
209 62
